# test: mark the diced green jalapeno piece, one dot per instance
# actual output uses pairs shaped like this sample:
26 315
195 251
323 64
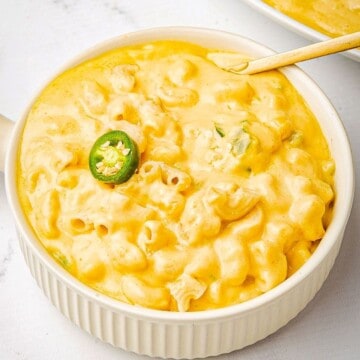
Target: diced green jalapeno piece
219 130
114 157
240 142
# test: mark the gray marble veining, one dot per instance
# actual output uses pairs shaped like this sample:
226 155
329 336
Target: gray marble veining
6 259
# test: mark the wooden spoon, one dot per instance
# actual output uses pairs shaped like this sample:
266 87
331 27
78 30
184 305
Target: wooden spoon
341 43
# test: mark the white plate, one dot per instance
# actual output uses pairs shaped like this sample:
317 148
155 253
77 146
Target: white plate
295 26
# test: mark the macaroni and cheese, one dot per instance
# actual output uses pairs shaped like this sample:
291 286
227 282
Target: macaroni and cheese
332 18
232 193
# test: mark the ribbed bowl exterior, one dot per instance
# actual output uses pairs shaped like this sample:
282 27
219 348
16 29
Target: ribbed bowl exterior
175 339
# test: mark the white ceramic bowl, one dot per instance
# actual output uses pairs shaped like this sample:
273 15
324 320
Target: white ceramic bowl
196 334
296 26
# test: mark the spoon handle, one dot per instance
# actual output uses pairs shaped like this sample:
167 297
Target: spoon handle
332 46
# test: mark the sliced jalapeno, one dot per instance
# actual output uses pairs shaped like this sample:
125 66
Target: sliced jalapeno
114 157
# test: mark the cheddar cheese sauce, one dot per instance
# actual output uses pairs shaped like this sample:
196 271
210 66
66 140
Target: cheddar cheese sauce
332 18
232 195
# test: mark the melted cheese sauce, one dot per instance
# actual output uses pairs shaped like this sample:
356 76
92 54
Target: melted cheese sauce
332 18
233 191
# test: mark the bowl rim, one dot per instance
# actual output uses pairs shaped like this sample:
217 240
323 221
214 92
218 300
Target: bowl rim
334 231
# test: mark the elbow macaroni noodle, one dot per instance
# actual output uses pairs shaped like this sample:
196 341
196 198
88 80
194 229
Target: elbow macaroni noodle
232 195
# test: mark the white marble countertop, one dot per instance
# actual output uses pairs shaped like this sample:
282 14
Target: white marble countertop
36 38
